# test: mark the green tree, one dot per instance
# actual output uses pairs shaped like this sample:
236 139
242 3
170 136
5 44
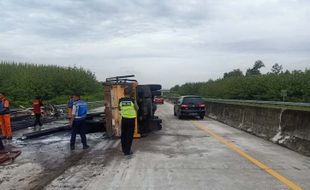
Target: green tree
234 73
255 70
253 87
22 82
276 69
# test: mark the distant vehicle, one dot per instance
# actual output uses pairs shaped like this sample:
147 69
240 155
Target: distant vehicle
190 106
159 100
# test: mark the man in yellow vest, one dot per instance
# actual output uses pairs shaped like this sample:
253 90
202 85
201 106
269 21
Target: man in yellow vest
128 108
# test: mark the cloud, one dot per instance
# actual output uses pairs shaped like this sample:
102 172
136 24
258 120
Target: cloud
168 42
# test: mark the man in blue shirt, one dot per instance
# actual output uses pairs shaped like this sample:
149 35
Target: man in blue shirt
79 113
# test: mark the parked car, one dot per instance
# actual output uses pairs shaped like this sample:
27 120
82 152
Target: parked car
190 106
159 100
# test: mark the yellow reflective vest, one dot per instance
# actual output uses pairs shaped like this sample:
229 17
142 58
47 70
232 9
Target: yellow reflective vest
127 108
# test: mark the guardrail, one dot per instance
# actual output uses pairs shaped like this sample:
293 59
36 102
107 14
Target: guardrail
300 104
257 102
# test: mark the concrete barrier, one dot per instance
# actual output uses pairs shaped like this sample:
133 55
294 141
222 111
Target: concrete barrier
289 128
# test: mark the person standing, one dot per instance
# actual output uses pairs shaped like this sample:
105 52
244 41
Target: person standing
5 117
79 113
36 104
128 108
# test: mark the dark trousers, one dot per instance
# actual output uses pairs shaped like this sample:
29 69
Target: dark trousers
77 127
128 127
38 120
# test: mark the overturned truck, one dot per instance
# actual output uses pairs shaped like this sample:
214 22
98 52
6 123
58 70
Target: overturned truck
144 94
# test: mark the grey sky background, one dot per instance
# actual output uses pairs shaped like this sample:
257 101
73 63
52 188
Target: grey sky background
168 42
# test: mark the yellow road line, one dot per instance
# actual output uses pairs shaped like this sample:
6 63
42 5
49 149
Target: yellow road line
259 164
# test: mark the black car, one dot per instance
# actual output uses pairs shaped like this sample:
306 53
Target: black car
190 106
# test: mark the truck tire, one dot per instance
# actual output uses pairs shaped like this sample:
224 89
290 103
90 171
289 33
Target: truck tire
179 116
144 91
154 87
156 93
149 105
160 127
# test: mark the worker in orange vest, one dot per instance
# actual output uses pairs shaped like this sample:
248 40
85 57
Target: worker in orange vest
5 117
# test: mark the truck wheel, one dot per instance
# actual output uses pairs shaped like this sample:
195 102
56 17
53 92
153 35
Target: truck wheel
154 87
179 116
159 127
201 117
156 93
144 91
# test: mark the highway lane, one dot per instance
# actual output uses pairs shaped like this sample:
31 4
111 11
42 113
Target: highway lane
184 156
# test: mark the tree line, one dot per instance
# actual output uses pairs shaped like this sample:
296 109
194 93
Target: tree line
22 82
276 85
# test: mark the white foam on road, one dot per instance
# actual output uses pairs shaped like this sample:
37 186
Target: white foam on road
17 176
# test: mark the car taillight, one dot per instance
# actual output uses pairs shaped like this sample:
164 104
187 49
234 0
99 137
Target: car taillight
202 105
184 106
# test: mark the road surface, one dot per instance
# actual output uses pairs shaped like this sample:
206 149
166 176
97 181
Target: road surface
185 154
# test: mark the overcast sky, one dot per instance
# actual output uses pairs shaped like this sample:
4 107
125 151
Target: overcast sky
168 42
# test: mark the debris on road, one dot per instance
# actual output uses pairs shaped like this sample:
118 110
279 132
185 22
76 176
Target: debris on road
8 154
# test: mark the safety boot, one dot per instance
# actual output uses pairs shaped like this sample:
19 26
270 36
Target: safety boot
85 147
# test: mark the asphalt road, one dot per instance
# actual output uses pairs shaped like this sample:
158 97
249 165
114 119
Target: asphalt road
185 154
